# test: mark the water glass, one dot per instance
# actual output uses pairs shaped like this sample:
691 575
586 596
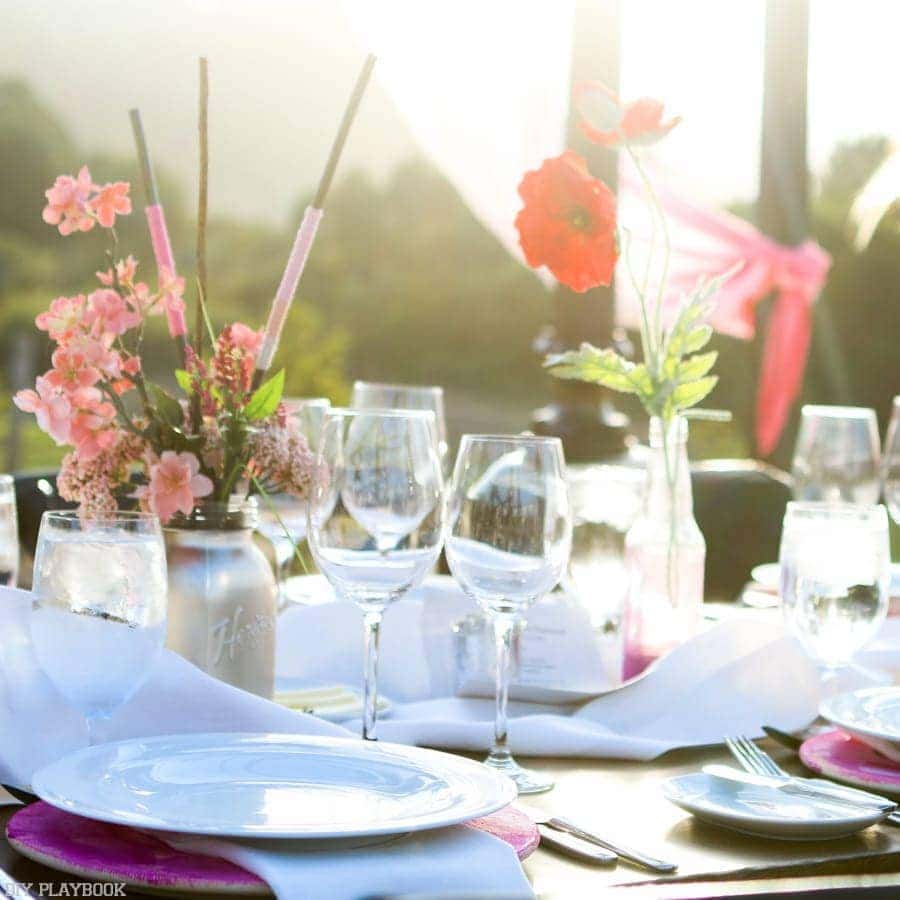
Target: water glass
373 395
9 533
836 458
376 520
835 575
98 621
283 516
891 464
509 533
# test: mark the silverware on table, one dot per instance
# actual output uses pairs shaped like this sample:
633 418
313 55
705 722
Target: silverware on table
582 850
541 818
757 761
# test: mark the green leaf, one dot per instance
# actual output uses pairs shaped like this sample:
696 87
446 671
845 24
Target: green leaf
167 407
696 339
693 367
265 400
690 394
604 367
184 380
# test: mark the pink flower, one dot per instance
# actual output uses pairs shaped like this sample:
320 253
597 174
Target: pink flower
246 338
64 318
175 485
125 270
171 289
607 121
110 200
141 300
96 351
67 203
106 278
91 433
110 314
51 408
71 371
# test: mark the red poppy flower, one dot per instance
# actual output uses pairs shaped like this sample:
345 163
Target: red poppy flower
605 120
568 223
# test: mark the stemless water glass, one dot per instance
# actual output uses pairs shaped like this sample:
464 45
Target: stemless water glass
837 455
891 464
835 572
99 616
372 395
9 532
509 533
376 517
283 516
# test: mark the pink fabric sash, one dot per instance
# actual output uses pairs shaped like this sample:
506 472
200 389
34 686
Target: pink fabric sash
706 242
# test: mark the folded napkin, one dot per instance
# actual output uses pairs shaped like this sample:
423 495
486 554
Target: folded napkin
37 727
737 676
443 862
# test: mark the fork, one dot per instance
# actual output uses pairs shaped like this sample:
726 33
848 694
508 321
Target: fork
757 761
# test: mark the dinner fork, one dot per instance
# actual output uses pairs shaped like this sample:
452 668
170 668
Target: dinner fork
757 761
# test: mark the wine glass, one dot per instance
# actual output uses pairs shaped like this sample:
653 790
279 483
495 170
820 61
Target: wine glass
98 620
891 464
837 455
835 574
283 518
373 395
376 517
509 533
9 532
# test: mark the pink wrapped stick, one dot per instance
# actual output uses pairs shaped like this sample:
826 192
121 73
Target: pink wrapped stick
281 305
165 264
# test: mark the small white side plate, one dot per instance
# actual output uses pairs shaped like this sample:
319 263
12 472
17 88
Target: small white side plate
272 785
762 811
872 715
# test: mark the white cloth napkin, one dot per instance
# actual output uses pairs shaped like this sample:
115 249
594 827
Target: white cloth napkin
37 727
732 679
445 862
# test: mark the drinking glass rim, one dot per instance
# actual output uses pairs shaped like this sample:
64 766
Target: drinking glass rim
874 513
512 439
123 515
323 402
838 412
399 386
384 412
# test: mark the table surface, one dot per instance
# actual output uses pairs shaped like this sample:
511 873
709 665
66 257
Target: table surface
622 800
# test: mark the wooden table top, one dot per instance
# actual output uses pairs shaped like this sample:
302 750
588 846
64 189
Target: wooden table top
622 800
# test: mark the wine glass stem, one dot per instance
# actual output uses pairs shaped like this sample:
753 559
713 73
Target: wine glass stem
504 626
93 729
372 622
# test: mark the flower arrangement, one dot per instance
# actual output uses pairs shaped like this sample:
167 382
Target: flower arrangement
124 428
228 432
568 223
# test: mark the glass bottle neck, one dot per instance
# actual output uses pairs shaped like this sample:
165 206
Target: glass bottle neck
668 470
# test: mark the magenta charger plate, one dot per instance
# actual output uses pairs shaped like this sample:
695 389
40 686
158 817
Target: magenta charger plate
101 851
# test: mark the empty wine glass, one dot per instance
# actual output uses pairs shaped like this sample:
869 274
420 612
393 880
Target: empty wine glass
9 532
283 518
98 620
835 572
376 517
837 455
373 395
509 533
891 464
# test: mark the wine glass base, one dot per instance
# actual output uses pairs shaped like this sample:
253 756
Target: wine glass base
527 781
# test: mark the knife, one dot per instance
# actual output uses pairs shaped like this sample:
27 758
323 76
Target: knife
574 847
803 788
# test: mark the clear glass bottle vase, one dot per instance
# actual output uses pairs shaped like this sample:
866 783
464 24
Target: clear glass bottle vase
665 554
222 595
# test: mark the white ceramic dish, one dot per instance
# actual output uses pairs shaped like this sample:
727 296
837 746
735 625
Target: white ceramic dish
872 715
763 811
272 785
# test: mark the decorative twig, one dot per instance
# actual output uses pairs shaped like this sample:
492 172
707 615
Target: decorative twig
203 202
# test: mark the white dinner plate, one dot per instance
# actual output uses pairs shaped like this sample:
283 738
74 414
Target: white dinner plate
871 714
272 785
764 811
